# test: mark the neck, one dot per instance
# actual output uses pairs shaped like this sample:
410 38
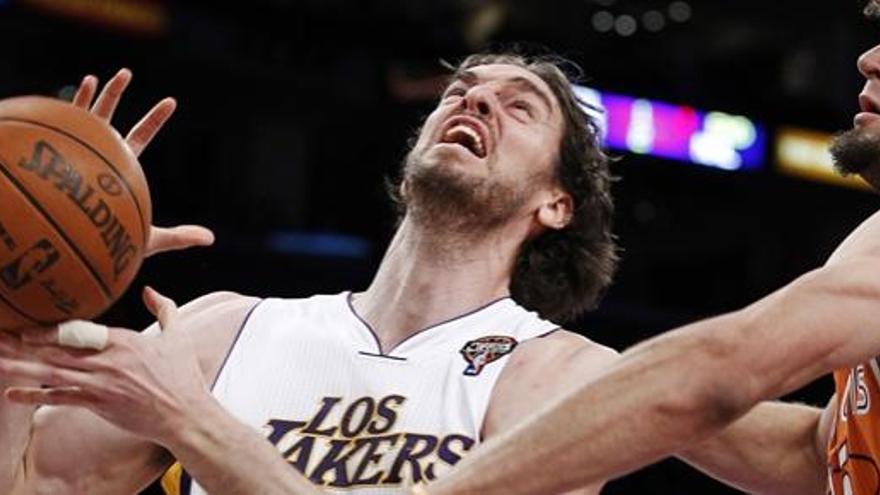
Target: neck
427 277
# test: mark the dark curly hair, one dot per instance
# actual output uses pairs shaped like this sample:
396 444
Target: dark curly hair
561 273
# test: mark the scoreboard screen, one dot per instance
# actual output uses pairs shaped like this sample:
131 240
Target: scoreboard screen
712 139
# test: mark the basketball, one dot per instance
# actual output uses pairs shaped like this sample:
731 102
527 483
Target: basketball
75 213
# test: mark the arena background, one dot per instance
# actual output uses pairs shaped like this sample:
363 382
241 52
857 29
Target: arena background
292 112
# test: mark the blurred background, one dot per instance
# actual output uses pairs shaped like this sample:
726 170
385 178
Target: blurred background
292 113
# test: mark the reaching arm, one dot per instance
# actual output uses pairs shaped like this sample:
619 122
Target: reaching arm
776 448
227 457
540 370
688 384
155 389
108 459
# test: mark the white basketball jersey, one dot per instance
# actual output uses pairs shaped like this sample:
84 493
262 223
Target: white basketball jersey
311 376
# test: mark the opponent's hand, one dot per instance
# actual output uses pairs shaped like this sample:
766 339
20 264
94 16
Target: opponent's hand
138 138
151 386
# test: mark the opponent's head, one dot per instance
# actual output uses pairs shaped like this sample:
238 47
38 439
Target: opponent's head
857 151
509 142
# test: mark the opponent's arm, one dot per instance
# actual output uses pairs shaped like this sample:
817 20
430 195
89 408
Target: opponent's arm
776 448
688 384
539 371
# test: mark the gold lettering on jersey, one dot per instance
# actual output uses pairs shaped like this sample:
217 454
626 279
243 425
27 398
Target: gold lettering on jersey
353 443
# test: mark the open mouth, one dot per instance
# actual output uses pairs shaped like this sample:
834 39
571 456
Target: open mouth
466 135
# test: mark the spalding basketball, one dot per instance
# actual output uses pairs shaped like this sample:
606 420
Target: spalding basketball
75 213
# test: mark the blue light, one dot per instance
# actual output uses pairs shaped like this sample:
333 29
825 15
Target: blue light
318 244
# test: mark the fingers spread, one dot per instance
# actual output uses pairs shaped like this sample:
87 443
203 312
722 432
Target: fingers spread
110 95
144 131
86 92
181 237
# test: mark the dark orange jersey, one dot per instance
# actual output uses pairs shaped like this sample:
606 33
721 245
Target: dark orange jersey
854 446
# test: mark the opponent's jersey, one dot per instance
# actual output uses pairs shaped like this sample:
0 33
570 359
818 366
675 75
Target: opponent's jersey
311 376
854 446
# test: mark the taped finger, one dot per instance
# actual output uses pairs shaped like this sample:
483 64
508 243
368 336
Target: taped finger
83 335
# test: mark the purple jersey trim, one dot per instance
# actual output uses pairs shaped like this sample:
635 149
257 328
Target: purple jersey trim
237 336
545 334
384 356
185 483
388 353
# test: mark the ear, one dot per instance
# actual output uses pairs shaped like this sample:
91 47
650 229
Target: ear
556 210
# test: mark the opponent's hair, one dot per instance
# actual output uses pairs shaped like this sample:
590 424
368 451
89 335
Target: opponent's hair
560 273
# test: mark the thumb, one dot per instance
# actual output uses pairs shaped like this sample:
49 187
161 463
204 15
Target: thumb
163 308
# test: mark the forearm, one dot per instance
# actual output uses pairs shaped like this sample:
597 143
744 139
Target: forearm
643 408
681 387
226 457
772 449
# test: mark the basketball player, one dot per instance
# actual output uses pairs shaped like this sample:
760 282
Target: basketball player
667 392
366 392
507 207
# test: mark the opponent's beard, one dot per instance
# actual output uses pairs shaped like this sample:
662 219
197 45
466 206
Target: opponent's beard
442 198
856 151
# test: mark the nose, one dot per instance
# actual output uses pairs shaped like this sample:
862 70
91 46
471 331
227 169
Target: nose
478 100
869 63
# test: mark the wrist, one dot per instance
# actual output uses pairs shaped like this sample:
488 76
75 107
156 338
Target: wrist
198 423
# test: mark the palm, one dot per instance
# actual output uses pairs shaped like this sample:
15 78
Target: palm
161 238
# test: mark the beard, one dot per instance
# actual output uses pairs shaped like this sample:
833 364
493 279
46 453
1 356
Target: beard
440 197
856 151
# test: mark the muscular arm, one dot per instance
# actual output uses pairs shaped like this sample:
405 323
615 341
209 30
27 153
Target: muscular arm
539 371
108 459
776 448
686 385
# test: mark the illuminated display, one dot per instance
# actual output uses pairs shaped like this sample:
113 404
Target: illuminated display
713 139
804 153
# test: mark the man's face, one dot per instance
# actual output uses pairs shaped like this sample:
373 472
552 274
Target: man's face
858 150
490 142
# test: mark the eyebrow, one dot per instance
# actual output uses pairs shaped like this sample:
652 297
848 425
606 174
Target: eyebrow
468 76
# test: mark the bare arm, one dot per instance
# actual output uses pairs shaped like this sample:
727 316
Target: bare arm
156 389
776 448
539 371
110 460
686 385
227 457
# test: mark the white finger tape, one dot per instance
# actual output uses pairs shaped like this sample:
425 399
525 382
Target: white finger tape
83 335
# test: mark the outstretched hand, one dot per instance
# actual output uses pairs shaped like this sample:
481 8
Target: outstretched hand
148 385
161 239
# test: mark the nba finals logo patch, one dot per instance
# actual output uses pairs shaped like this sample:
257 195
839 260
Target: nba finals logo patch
480 352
